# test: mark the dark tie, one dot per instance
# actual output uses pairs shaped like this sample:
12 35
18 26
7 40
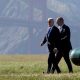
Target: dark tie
49 32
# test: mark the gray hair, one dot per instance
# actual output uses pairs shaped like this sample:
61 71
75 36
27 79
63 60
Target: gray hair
50 19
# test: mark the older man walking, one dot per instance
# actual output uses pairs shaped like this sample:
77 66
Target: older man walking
52 39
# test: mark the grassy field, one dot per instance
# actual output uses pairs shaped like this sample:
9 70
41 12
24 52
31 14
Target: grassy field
31 67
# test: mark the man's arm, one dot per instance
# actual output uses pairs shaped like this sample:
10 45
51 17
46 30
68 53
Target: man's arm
44 41
67 35
64 38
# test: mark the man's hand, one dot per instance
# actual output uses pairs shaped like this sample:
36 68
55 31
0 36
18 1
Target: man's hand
42 44
55 50
64 38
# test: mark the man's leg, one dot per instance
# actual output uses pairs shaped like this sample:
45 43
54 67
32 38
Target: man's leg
56 67
67 60
50 58
57 58
49 63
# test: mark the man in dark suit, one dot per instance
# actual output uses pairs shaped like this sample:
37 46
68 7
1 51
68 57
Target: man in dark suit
52 39
65 43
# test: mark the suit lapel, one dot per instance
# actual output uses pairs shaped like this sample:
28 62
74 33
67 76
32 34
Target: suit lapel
63 29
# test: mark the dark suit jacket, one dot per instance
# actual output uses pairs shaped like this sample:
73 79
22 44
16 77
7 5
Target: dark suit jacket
65 38
54 38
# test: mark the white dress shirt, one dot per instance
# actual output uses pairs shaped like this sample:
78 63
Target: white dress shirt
60 28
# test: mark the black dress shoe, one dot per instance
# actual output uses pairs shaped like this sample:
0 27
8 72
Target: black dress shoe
48 72
70 71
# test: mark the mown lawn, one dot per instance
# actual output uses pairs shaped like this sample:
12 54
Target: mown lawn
31 67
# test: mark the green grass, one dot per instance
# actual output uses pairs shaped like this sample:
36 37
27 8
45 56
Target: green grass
31 67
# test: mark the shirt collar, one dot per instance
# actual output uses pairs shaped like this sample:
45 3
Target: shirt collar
62 26
50 27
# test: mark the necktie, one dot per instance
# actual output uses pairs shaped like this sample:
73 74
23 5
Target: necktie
49 31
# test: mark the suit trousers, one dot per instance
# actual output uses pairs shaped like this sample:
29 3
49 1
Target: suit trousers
52 60
65 55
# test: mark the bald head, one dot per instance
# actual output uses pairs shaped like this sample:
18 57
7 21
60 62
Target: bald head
50 22
60 21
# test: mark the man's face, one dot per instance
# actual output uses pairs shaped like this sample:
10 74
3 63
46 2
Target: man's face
60 22
50 23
